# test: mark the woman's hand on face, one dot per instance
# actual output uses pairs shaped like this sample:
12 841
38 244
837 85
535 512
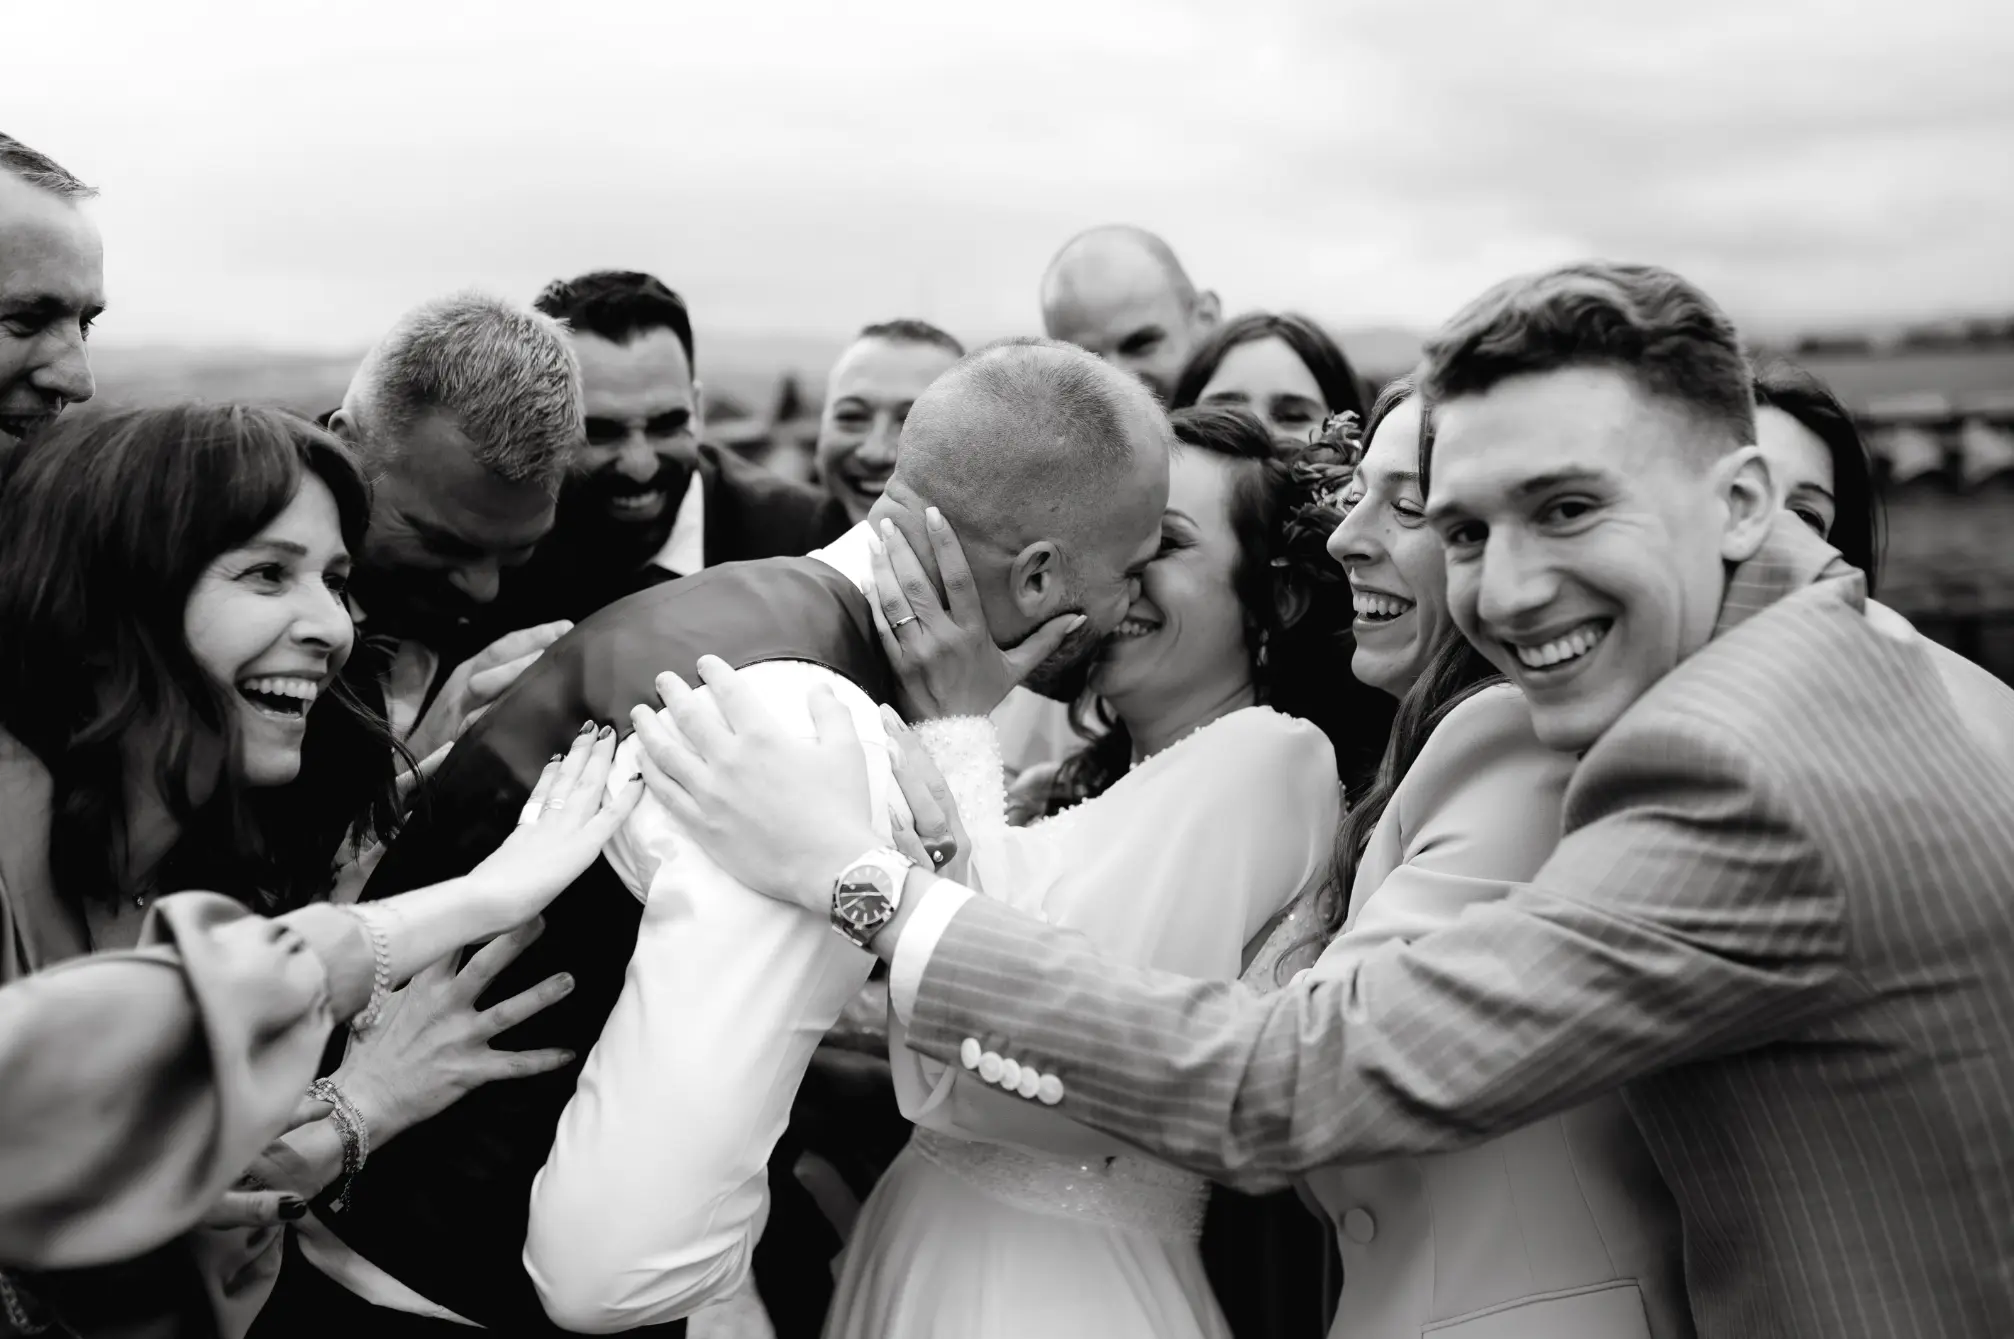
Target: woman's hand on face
432 1044
561 829
781 813
941 651
934 835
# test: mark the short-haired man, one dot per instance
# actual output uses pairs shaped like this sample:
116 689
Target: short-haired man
1779 919
867 399
647 498
52 287
632 1187
467 413
1118 291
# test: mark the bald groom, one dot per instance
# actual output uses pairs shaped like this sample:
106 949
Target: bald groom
628 1190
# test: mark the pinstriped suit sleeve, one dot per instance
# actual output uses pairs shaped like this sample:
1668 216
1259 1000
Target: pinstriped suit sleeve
1684 915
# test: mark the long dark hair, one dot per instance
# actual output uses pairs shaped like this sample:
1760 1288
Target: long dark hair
1455 671
1306 665
1342 391
106 523
1857 525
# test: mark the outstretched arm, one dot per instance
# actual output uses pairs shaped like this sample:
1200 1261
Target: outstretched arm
1687 915
654 1194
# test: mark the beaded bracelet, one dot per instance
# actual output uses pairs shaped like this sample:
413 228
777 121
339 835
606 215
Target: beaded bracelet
354 1131
381 967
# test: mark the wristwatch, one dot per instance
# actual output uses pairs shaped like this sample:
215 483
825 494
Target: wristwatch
866 896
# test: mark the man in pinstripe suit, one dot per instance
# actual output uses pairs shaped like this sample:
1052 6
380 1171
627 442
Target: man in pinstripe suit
1781 918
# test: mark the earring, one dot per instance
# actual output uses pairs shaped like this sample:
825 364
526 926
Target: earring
1263 638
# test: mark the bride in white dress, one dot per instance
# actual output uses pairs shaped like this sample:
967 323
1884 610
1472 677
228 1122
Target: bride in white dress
1209 809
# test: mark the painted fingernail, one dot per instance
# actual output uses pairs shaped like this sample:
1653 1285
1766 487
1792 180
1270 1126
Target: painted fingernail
933 518
555 757
565 981
892 721
874 544
292 1207
607 732
586 729
1079 621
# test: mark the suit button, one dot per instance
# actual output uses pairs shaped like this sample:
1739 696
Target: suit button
990 1065
1050 1089
1031 1082
1010 1074
968 1053
1359 1226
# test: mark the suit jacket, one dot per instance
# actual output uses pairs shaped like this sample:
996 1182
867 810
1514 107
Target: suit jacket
444 1209
1560 1230
1779 920
749 513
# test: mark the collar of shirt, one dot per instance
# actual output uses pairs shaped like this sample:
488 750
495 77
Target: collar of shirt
849 556
684 550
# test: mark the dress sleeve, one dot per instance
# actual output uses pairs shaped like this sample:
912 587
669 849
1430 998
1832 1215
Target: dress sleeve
966 750
135 1087
1176 867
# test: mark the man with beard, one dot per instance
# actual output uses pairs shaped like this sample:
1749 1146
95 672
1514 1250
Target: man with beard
1119 292
466 413
646 500
52 286
629 1189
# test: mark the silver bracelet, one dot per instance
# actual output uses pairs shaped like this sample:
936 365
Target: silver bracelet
381 967
354 1131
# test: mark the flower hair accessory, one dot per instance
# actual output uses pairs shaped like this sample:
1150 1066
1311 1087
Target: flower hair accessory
1321 471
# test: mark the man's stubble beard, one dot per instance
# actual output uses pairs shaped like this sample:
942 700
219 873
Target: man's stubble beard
1065 675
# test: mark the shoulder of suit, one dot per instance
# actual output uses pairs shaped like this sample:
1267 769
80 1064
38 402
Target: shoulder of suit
750 480
1486 740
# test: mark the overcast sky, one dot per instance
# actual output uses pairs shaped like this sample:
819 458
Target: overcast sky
293 174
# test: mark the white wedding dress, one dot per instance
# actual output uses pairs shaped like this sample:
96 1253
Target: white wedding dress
1001 1217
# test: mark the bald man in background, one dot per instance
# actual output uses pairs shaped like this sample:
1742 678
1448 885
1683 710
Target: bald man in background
1118 292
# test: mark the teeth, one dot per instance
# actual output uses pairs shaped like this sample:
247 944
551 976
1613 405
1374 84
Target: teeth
1134 627
638 501
1559 650
1369 604
275 686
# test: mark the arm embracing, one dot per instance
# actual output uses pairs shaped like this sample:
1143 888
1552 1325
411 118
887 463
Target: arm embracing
1686 911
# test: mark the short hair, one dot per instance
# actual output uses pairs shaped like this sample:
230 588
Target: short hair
1643 321
618 305
1342 391
906 330
40 170
504 373
1857 523
1023 432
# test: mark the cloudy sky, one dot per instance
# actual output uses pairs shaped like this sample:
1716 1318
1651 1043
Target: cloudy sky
293 174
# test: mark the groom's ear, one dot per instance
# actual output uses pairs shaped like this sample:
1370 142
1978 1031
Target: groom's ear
1035 581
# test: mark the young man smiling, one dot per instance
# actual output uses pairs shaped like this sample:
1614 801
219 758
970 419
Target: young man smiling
1779 919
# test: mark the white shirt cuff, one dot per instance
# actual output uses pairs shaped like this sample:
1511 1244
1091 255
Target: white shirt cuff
927 924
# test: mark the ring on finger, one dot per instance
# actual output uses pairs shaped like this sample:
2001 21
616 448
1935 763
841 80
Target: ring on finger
897 625
555 803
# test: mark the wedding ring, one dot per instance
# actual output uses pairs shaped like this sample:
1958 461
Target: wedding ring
896 626
555 803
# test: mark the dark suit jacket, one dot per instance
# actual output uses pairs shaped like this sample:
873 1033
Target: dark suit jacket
444 1208
749 513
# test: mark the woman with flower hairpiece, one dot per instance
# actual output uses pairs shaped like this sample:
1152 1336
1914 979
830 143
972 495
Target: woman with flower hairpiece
1176 839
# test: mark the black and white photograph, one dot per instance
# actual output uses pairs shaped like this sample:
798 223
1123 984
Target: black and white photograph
1111 669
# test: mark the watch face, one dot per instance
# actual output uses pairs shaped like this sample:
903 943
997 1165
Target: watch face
863 895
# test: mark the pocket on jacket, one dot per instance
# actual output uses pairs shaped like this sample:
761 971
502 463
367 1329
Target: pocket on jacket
1599 1311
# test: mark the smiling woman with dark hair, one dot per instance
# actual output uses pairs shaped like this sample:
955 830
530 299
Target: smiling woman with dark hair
1282 369
171 597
